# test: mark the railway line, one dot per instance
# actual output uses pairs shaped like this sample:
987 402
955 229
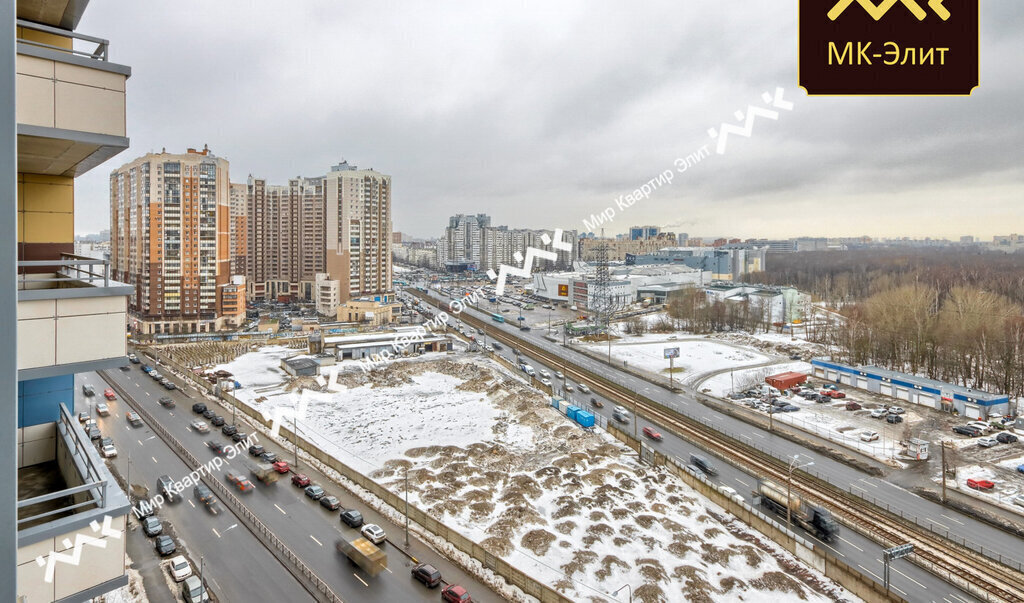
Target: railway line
982 577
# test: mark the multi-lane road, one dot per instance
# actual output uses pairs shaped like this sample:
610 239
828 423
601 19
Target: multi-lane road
237 564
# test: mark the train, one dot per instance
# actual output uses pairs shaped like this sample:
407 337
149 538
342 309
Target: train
814 518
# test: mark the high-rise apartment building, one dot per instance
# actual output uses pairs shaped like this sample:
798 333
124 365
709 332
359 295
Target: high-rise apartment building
239 228
358 234
461 246
286 238
63 113
170 240
471 243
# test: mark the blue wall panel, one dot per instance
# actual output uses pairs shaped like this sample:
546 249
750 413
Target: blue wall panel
39 400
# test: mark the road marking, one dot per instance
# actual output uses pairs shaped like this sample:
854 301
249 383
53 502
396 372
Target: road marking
154 459
148 394
217 584
318 542
870 572
867 483
933 522
280 509
216 532
192 503
742 482
952 518
117 415
759 435
958 597
188 427
908 577
139 441
851 544
234 525
137 385
150 438
360 579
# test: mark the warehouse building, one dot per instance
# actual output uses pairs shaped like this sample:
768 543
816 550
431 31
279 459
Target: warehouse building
971 403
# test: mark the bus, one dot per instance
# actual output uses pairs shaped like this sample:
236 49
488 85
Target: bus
497 318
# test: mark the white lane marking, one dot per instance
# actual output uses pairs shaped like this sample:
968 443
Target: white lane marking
216 532
139 441
360 579
148 394
217 584
870 572
742 482
280 509
234 525
188 427
908 577
150 438
315 540
952 518
759 435
117 415
137 385
867 482
851 544
192 503
154 459
933 522
388 570
958 597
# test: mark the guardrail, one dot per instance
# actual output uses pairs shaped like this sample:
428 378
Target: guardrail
68 269
100 53
307 577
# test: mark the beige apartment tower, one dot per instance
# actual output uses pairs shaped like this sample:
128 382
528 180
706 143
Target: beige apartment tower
170 235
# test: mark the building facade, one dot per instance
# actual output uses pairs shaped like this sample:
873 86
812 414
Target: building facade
727 263
239 228
170 240
462 242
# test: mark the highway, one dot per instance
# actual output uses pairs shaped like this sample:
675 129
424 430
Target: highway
908 580
309 530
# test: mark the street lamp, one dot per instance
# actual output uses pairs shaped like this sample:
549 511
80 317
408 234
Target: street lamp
789 486
630 592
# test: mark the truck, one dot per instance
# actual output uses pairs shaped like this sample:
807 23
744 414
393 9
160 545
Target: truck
363 553
814 518
264 472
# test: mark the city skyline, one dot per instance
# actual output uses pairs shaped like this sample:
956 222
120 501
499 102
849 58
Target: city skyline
541 150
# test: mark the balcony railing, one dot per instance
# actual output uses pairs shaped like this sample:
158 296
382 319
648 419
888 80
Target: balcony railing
99 52
69 271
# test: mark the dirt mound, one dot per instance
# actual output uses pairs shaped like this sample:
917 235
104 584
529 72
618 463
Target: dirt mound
538 541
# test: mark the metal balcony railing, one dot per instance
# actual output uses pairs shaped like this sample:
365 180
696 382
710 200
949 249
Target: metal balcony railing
98 53
69 271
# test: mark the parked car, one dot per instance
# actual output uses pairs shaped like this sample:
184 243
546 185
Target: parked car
981 425
374 533
156 375
94 433
151 525
879 413
1020 468
453 593
300 480
651 433
281 467
133 359
166 402
180 568
168 385
987 442
217 421
427 574
315 492
269 457
146 369
199 408
1006 438
215 446
855 406
980 484
108 451
789 408
229 430
83 417
134 419
102 409
209 413
896 410
352 518
165 486
331 503
256 450
165 545
868 436
893 419
967 430
105 442
200 426
194 591
238 436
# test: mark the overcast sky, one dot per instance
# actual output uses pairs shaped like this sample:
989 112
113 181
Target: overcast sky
541 113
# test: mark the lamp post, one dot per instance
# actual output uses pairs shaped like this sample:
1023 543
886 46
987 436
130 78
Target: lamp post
202 582
407 507
630 591
789 486
295 441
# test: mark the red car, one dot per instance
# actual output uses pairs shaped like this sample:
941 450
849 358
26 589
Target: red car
833 393
109 394
654 435
453 593
300 480
980 484
281 467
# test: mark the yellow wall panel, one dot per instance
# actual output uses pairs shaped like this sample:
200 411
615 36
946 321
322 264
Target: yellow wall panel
43 37
43 227
49 197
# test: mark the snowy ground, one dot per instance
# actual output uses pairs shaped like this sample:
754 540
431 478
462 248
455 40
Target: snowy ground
696 356
722 385
1007 487
485 454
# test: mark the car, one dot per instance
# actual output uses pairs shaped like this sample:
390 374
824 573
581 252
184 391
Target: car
109 394
300 480
559 375
256 450
855 406
731 493
652 434
108 451
878 413
146 369
102 409
569 388
134 418
193 591
897 410
133 359
164 545
269 457
199 408
168 385
893 419
1006 438
209 413
596 403
217 421
524 328
427 574
981 425
238 436
240 481
156 375
967 430
105 442
180 568
282 467
453 593
331 503
88 390
200 426
374 533
583 388
980 484
546 382
94 433
621 418
789 408
229 430
83 417
1020 468
315 492
703 464
166 402
215 446
987 442
868 436
165 486
151 525
352 518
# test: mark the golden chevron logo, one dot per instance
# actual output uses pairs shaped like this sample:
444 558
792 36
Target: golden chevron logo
878 11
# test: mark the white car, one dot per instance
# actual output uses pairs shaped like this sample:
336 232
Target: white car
545 374
102 409
109 451
896 410
879 413
569 388
546 382
584 389
868 436
180 568
987 442
621 410
983 426
559 375
1019 500
200 426
373 533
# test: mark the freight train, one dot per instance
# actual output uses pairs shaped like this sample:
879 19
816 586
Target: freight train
814 518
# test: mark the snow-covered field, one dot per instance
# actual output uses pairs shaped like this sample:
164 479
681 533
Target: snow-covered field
487 455
1004 493
696 356
722 385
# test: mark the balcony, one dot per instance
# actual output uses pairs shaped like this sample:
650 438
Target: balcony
70 101
71 317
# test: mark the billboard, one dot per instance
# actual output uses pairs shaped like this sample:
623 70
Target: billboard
563 291
671 352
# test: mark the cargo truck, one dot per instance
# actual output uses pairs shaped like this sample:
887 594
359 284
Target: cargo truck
265 472
814 518
363 553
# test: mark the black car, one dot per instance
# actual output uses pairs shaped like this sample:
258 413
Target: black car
105 442
217 421
331 503
152 526
167 402
269 457
352 518
125 367
256 450
209 413
215 446
239 436
893 419
168 385
427 574
229 430
94 433
967 430
1006 438
165 545
199 408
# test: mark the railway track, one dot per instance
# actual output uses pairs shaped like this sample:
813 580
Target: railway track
985 578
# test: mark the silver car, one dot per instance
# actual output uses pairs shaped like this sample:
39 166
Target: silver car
200 426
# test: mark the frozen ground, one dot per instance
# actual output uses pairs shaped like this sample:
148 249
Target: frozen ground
486 455
1007 487
696 356
722 385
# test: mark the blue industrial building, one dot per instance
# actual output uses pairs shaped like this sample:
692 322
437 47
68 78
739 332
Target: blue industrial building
971 403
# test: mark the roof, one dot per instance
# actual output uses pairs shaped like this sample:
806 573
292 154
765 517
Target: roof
934 386
302 363
787 375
